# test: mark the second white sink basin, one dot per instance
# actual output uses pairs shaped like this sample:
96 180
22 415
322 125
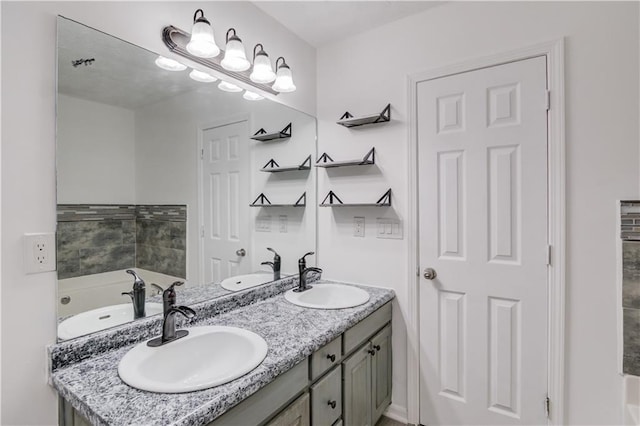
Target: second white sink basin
101 318
209 356
241 282
328 296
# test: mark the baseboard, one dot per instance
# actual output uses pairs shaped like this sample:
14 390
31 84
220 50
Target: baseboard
397 413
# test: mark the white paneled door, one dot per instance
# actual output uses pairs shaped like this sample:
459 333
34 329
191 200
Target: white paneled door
225 200
482 143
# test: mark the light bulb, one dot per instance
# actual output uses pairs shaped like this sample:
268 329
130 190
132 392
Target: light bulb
251 96
284 79
202 43
235 58
228 87
202 77
262 72
169 64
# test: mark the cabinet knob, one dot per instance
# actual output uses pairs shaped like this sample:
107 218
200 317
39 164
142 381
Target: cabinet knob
331 357
376 347
332 404
371 351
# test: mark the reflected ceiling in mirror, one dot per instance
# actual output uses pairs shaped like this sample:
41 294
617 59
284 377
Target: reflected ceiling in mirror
156 173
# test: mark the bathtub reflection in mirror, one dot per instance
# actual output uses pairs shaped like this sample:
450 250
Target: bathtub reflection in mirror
156 172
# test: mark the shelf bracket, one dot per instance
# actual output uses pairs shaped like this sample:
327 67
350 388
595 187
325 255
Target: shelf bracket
261 198
346 115
324 158
385 200
306 163
272 164
260 132
302 201
385 115
370 157
332 196
286 132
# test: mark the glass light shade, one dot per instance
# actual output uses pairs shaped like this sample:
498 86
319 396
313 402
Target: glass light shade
169 64
262 72
228 87
235 59
284 80
202 43
251 96
202 77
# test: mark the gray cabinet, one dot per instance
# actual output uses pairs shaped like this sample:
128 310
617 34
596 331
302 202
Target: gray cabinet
367 380
296 414
326 399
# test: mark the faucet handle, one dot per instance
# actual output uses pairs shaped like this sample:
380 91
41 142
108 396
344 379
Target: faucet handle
276 255
169 296
136 277
306 254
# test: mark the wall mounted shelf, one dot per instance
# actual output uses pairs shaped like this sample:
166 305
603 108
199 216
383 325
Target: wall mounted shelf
348 120
327 162
263 201
273 167
334 201
262 135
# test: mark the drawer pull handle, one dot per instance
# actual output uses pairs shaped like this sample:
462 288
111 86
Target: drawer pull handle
376 347
331 357
371 351
332 404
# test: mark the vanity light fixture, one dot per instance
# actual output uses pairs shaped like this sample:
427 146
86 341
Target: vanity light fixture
251 96
169 64
228 87
284 79
262 72
202 43
202 77
235 59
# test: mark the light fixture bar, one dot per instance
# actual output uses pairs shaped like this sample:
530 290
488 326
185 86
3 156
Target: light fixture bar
176 40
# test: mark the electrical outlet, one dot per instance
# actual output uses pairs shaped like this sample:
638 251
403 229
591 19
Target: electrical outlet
389 228
283 223
358 226
39 253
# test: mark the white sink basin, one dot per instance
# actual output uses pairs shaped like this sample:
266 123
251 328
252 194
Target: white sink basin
241 282
100 319
328 296
209 356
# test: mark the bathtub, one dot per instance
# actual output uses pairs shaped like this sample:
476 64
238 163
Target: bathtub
632 400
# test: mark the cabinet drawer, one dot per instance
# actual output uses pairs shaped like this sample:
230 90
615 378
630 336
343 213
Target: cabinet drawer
326 399
326 357
365 328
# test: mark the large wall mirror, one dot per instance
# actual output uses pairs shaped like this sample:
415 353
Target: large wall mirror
156 173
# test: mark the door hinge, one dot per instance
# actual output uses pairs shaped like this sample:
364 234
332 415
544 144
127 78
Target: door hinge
202 154
548 100
418 271
202 231
547 407
549 255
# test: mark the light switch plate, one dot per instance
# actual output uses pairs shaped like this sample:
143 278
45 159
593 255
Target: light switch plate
263 224
358 226
283 223
389 228
39 252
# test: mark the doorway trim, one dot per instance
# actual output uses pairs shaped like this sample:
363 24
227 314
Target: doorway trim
554 52
200 129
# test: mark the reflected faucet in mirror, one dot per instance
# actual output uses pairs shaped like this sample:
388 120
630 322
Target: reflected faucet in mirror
275 265
137 295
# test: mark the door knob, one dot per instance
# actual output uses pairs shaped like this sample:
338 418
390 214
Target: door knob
242 252
430 273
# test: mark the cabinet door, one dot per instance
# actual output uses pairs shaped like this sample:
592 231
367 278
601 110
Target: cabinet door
356 374
296 414
381 372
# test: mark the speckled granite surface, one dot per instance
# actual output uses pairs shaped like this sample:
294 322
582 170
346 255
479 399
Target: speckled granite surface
85 347
292 333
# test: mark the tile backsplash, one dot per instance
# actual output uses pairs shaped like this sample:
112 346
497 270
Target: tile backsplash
630 234
100 238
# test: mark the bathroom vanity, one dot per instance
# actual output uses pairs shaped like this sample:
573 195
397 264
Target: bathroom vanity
323 367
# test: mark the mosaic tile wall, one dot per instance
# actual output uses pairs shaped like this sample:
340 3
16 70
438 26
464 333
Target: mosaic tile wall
100 238
630 234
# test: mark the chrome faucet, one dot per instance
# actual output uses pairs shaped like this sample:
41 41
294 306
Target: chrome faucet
275 265
169 333
303 271
137 295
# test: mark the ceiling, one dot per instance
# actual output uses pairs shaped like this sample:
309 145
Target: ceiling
324 22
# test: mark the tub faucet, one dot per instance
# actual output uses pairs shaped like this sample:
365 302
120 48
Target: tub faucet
275 264
169 332
303 271
137 295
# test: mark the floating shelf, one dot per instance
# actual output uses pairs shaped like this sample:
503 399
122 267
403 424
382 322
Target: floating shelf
262 135
334 201
263 201
327 162
273 167
348 120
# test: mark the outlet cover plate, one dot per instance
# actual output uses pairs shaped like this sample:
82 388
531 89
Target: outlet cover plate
358 226
39 252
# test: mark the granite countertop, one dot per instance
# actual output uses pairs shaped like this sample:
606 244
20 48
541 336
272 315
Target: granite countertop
93 387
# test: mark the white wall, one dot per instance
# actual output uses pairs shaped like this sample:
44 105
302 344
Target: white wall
28 152
95 156
370 69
